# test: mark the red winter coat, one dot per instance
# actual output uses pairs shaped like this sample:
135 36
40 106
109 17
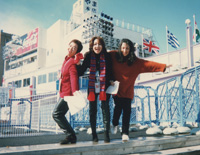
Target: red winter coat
127 75
69 77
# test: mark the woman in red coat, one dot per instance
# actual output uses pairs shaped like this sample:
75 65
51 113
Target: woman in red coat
126 68
69 84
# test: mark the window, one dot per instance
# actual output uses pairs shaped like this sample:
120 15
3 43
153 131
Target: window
94 3
87 8
33 58
42 79
7 65
88 1
18 83
52 76
10 84
94 10
26 82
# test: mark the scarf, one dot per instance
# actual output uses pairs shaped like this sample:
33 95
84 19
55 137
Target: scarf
102 95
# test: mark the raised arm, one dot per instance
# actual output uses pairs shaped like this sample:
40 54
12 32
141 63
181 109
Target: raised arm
86 64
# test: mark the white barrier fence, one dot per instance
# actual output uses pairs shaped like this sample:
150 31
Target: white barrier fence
32 115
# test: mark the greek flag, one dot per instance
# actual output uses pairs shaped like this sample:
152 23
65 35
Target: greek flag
172 40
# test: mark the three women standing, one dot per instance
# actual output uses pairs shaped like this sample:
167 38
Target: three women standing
123 65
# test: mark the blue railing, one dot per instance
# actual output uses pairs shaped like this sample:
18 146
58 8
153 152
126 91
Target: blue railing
178 98
167 101
189 95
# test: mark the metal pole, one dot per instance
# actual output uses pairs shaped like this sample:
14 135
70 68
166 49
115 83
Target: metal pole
189 43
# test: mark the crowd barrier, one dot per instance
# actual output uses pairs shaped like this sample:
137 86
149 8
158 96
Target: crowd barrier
167 101
189 96
22 117
177 99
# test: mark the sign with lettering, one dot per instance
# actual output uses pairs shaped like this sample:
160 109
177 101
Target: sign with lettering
29 42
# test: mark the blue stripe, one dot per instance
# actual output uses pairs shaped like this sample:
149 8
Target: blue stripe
172 40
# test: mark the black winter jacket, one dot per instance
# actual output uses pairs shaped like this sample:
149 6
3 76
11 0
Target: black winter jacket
86 64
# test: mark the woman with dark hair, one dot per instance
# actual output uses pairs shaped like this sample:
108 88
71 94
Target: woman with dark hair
126 56
68 85
126 68
100 76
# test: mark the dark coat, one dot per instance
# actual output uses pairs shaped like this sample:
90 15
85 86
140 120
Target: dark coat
86 64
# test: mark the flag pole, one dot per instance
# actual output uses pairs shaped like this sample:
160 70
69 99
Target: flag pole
167 43
167 38
142 47
194 34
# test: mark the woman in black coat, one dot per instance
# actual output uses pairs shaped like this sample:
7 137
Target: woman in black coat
100 77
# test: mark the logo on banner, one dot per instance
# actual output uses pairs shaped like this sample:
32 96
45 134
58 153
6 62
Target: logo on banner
29 42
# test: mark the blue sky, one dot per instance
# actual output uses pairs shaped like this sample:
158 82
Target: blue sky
21 16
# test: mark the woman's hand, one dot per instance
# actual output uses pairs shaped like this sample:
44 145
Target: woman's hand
168 66
78 63
112 83
77 58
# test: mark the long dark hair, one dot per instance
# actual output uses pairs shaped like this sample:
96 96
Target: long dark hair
130 57
101 41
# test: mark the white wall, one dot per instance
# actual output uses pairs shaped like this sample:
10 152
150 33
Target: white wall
42 58
42 38
55 42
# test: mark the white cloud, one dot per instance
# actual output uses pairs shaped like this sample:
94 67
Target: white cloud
17 25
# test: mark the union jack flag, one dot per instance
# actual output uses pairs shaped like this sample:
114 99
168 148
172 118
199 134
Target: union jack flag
150 46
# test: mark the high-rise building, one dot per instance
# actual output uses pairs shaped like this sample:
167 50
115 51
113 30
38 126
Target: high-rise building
4 38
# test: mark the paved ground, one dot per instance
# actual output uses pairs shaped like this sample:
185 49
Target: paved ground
49 139
178 145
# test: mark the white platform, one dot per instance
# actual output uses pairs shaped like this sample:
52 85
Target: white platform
134 146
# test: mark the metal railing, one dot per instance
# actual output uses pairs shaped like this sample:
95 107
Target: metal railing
178 98
167 101
26 118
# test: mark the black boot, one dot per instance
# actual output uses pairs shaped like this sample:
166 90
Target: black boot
106 136
106 119
93 116
94 133
93 128
69 139
95 137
